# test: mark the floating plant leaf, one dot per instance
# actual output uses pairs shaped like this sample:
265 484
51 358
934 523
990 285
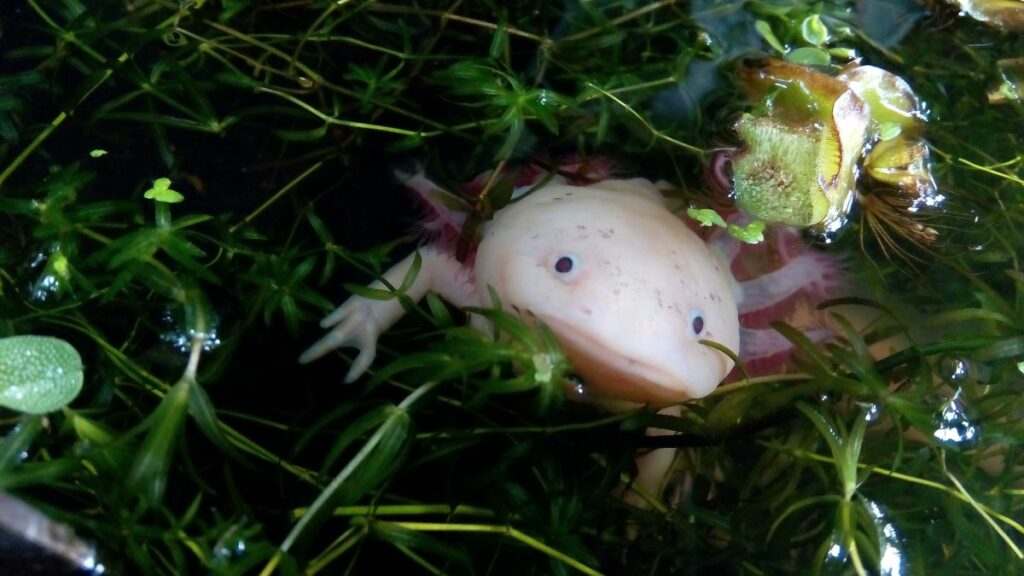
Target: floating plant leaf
894 107
1006 15
809 56
792 92
776 177
38 374
814 30
901 163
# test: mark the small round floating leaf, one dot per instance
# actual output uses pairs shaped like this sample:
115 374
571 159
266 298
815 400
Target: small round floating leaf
814 30
808 56
97 153
38 374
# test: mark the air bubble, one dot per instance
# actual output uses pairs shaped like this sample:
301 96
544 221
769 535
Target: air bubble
892 561
180 338
955 370
954 428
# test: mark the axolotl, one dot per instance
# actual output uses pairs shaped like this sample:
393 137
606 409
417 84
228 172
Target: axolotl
629 290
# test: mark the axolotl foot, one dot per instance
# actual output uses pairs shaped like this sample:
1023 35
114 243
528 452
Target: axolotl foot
354 324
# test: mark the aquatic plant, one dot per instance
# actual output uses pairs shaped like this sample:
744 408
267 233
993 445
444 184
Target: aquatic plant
38 374
197 443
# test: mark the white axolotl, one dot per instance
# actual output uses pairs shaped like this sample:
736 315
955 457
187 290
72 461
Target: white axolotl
628 289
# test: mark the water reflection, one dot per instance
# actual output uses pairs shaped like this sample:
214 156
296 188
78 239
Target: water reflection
954 428
892 561
180 337
54 278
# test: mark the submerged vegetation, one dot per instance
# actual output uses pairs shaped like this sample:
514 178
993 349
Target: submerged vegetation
186 187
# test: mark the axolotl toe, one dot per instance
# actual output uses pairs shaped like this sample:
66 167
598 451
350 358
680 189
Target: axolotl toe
628 289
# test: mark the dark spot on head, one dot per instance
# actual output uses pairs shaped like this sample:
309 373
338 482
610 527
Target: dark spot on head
698 324
564 265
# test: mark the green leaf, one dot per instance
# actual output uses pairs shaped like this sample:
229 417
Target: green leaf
438 311
148 474
302 135
18 440
367 470
162 192
90 430
706 217
814 30
38 374
97 153
200 408
36 473
752 233
371 293
765 30
809 57
402 537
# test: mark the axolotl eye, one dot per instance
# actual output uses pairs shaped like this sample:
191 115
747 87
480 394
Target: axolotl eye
565 264
696 322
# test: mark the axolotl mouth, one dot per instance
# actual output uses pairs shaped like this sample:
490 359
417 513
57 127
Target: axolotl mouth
613 375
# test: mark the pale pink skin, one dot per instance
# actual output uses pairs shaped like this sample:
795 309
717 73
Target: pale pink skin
625 312
641 282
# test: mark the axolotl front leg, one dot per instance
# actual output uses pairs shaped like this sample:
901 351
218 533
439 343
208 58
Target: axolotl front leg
359 321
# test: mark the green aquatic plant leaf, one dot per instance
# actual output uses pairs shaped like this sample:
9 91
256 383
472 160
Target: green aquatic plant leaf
161 192
18 440
38 374
706 217
407 539
375 461
808 56
814 31
751 233
148 475
776 177
765 30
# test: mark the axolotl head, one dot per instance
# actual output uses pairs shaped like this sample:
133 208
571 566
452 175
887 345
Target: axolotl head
627 288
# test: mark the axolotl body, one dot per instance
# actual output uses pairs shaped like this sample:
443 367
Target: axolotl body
629 290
